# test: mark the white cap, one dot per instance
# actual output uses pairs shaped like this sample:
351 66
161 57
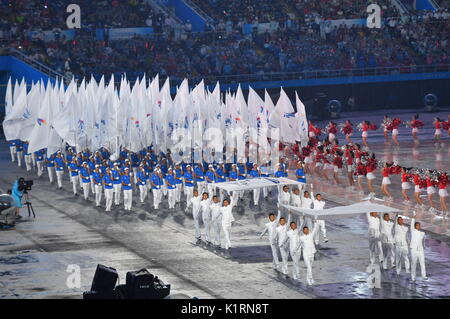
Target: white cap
210 166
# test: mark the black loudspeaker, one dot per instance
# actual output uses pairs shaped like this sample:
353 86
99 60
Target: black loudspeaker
143 285
105 279
139 284
120 292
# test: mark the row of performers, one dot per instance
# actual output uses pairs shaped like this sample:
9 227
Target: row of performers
326 159
389 125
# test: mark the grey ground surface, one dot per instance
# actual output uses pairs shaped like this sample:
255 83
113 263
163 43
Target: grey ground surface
35 254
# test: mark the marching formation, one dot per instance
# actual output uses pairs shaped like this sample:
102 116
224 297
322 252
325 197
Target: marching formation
123 145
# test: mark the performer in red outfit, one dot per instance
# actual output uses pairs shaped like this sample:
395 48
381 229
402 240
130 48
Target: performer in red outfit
347 130
332 130
360 173
443 181
386 124
366 126
349 159
437 125
394 127
371 166
419 184
337 163
431 190
405 184
415 124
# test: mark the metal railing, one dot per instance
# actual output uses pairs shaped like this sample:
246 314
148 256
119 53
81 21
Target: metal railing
34 63
260 77
304 75
198 10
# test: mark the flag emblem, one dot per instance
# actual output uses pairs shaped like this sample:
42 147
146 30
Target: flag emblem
41 121
289 115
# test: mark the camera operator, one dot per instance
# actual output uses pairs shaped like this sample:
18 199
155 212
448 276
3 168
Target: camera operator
17 193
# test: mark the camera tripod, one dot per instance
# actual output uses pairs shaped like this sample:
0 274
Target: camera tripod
29 205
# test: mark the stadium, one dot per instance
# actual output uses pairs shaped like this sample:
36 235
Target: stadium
224 149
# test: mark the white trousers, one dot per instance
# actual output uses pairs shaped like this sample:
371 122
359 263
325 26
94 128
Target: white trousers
388 252
276 260
217 225
284 252
256 193
50 171
157 196
98 194
85 187
295 255
92 185
210 189
75 181
117 191
417 256
19 158
13 151
265 191
309 260
226 228
201 187
142 192
33 159
189 192
40 168
172 197
59 178
323 230
127 198
109 192
28 162
207 224
198 233
374 247
401 254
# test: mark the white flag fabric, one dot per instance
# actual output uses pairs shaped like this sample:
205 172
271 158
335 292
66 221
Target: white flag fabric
343 211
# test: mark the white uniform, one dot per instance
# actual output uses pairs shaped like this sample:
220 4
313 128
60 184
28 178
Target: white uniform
283 245
307 203
319 205
205 206
270 229
296 200
284 197
216 222
401 247
227 219
294 241
374 238
417 251
387 242
308 249
195 203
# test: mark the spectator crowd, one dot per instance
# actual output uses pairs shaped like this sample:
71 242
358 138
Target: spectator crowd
299 43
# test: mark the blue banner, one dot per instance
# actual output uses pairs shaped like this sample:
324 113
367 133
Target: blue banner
122 33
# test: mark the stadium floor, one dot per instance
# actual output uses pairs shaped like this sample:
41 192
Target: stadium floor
34 256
